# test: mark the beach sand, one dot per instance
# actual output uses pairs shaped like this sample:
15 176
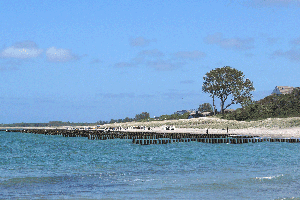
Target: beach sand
271 127
261 132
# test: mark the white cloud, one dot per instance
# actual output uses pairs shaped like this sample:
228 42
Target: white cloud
21 50
192 55
229 43
60 55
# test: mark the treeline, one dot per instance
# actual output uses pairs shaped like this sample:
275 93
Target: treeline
138 117
144 116
126 119
174 116
285 105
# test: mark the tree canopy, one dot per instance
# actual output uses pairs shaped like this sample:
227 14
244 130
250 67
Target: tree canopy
142 116
205 107
227 82
284 105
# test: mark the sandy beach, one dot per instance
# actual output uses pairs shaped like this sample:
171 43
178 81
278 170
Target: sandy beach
271 127
262 132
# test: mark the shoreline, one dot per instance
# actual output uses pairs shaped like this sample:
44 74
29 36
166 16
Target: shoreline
293 132
271 127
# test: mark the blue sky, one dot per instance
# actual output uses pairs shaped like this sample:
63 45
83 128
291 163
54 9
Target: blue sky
84 61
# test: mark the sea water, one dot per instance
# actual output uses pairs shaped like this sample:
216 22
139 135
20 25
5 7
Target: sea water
54 167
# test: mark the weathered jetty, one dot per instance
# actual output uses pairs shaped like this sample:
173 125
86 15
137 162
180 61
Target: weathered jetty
147 138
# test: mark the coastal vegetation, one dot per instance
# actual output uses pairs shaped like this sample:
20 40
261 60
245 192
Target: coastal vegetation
228 82
205 107
284 105
216 123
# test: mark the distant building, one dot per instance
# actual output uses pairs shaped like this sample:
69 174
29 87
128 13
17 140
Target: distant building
197 114
156 118
228 110
205 114
282 90
194 114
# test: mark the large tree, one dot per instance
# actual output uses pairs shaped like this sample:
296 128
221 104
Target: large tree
227 82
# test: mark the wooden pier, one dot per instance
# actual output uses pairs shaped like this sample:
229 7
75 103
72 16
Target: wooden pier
148 138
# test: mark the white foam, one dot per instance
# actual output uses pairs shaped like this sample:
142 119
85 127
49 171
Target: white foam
269 177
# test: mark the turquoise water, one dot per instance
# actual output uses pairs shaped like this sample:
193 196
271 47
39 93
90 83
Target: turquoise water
53 167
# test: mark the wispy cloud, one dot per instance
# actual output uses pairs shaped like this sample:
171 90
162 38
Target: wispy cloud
272 41
249 55
292 54
125 95
151 58
125 64
11 64
180 94
187 82
163 65
152 53
229 43
60 55
140 42
95 61
6 68
272 3
21 50
295 41
120 95
147 55
191 55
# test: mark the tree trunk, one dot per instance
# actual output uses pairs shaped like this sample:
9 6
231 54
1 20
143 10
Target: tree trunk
214 105
222 106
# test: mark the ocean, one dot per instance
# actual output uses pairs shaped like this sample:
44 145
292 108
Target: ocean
54 167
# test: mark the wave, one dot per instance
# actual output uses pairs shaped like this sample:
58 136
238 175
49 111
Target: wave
269 177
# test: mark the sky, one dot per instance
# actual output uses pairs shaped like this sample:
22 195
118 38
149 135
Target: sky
85 61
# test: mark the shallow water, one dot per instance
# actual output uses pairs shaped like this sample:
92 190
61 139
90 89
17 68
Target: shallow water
54 167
